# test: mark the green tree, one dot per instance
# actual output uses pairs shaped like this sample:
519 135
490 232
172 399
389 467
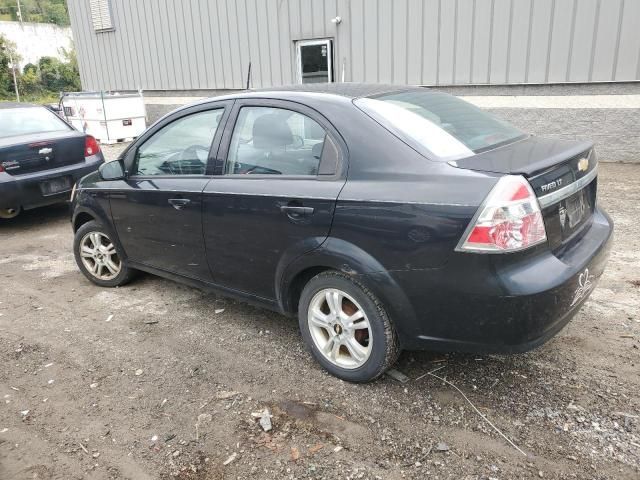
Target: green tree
40 82
7 53
57 13
39 11
5 72
71 71
50 73
58 76
30 83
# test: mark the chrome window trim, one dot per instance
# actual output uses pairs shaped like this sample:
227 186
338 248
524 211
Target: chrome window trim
564 192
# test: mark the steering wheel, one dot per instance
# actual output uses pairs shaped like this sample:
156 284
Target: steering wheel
190 153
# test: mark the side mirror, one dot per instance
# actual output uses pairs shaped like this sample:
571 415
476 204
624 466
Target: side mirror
111 170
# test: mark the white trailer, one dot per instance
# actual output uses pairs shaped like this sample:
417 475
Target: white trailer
110 117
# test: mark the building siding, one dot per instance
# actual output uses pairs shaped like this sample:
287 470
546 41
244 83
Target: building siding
208 44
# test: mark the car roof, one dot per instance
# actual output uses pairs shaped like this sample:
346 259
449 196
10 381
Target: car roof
6 105
309 93
344 89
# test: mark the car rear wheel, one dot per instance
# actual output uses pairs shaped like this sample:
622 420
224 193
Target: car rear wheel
98 258
346 328
7 213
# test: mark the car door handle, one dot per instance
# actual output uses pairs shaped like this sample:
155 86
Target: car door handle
296 211
179 203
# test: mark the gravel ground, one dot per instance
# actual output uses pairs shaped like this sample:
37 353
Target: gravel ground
159 380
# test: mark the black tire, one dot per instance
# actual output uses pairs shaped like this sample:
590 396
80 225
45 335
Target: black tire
385 347
123 276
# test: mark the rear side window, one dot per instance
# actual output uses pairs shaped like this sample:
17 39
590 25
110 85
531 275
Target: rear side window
25 121
275 141
181 147
438 125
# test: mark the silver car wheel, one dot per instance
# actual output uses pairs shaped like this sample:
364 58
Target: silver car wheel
339 328
99 256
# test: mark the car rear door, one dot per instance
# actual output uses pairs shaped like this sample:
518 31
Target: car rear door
281 167
157 210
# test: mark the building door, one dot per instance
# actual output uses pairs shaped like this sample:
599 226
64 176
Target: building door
315 61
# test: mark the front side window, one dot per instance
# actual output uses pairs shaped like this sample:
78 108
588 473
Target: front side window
441 126
180 148
275 141
28 120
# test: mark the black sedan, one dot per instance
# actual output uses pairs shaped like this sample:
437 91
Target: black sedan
41 157
386 217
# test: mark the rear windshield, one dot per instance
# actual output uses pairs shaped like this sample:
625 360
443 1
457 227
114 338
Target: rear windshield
438 125
24 121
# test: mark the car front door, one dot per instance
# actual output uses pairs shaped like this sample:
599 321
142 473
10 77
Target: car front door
158 214
281 168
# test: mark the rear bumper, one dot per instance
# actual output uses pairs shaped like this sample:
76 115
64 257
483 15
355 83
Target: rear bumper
491 304
24 190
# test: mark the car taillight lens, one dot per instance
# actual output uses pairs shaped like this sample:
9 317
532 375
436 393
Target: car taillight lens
91 146
1 168
509 219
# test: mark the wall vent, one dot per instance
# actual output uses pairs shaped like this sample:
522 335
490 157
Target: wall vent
101 15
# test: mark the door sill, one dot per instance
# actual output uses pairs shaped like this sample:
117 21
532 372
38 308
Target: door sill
206 285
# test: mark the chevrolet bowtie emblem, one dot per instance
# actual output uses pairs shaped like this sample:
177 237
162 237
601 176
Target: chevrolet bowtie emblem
583 164
45 151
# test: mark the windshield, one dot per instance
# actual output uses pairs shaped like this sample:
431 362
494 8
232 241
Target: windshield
438 125
24 121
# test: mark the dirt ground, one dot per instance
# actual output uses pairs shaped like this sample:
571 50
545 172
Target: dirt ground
158 380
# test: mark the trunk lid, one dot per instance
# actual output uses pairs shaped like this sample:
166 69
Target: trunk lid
41 151
562 173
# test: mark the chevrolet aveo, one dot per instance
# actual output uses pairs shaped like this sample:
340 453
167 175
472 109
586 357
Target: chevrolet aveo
385 217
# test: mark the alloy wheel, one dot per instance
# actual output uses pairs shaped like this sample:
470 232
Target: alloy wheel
99 256
339 328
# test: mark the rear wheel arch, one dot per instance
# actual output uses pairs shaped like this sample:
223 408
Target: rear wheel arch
294 287
349 259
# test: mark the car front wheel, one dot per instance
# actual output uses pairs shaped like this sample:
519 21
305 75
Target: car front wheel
98 258
346 328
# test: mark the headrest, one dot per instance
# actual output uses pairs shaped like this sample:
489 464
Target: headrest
316 150
271 131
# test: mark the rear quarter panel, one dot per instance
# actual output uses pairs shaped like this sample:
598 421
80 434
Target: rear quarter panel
405 210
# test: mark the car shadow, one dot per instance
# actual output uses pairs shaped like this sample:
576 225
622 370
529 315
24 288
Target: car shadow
488 371
35 218
493 375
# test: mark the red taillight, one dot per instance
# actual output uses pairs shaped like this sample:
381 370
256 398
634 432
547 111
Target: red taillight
1 168
91 146
509 219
